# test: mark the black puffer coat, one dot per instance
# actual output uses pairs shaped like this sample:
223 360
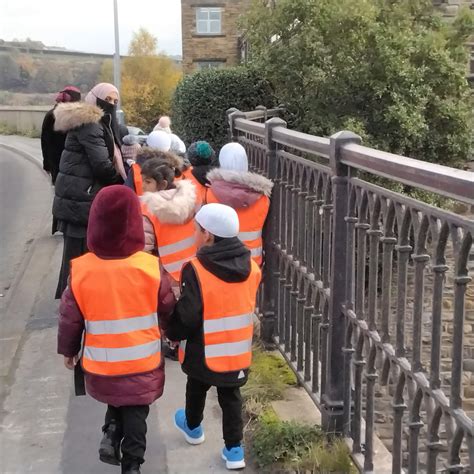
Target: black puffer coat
86 163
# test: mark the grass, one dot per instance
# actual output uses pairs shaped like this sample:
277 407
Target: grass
269 377
285 446
6 129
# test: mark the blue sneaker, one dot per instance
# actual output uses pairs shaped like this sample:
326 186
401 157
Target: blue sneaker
195 436
234 457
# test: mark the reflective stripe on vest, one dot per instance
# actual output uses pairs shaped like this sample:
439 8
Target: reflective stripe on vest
120 326
137 179
102 354
122 335
251 221
176 243
176 247
227 322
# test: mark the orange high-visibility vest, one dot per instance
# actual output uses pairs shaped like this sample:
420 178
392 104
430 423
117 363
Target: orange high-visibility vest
228 310
251 221
176 243
119 301
201 190
137 179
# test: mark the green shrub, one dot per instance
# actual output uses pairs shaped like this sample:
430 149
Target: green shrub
282 445
392 71
201 100
328 456
282 442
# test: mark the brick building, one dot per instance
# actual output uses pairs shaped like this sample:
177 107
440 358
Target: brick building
211 37
210 33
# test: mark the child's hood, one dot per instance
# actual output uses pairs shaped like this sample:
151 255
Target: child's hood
238 189
173 206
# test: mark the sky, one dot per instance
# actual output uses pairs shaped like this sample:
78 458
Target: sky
88 25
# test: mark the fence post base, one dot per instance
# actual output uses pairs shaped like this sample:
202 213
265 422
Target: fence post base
332 415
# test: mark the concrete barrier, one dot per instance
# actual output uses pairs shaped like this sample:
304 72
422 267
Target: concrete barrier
23 119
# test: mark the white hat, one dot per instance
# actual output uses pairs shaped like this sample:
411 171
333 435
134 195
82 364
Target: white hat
177 145
159 140
233 157
219 220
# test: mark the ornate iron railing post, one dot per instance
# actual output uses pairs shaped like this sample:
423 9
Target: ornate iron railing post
332 399
270 234
232 115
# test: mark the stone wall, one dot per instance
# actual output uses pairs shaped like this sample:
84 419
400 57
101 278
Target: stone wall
223 47
23 119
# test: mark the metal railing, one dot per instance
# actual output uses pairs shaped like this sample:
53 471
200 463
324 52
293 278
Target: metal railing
355 289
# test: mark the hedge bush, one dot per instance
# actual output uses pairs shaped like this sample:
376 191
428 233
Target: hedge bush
391 71
201 100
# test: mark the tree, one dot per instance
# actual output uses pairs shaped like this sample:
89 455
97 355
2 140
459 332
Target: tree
391 71
148 81
202 99
143 43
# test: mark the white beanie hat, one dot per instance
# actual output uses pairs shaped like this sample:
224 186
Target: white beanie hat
233 157
219 220
159 140
177 145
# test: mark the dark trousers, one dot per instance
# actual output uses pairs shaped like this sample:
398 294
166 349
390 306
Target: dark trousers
73 247
131 429
230 402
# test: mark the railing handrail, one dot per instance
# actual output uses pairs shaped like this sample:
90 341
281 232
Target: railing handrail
302 141
248 126
263 113
454 183
443 180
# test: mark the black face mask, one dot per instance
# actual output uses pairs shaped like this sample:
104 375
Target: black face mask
111 111
107 107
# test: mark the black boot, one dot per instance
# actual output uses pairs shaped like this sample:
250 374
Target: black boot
109 450
130 467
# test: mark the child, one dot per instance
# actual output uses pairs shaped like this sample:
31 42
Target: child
114 295
130 148
248 193
168 211
134 178
203 159
214 318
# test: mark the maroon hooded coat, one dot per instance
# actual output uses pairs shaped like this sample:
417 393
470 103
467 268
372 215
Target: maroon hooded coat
115 231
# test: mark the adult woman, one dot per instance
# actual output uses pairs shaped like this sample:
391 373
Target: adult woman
90 161
52 142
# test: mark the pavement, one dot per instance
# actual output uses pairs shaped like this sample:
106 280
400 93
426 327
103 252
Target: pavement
44 428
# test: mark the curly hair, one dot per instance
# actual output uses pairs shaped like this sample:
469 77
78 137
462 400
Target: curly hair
160 170
147 153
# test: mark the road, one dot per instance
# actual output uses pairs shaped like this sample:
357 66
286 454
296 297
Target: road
44 428
25 201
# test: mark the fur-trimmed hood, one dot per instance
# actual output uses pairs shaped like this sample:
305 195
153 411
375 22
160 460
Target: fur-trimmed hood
173 206
70 115
254 181
238 189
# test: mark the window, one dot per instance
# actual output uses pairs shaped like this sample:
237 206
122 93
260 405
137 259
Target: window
210 64
209 21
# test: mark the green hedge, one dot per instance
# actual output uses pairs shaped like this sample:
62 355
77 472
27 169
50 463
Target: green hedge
201 100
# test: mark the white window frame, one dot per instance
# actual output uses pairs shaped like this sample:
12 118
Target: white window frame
211 64
205 23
